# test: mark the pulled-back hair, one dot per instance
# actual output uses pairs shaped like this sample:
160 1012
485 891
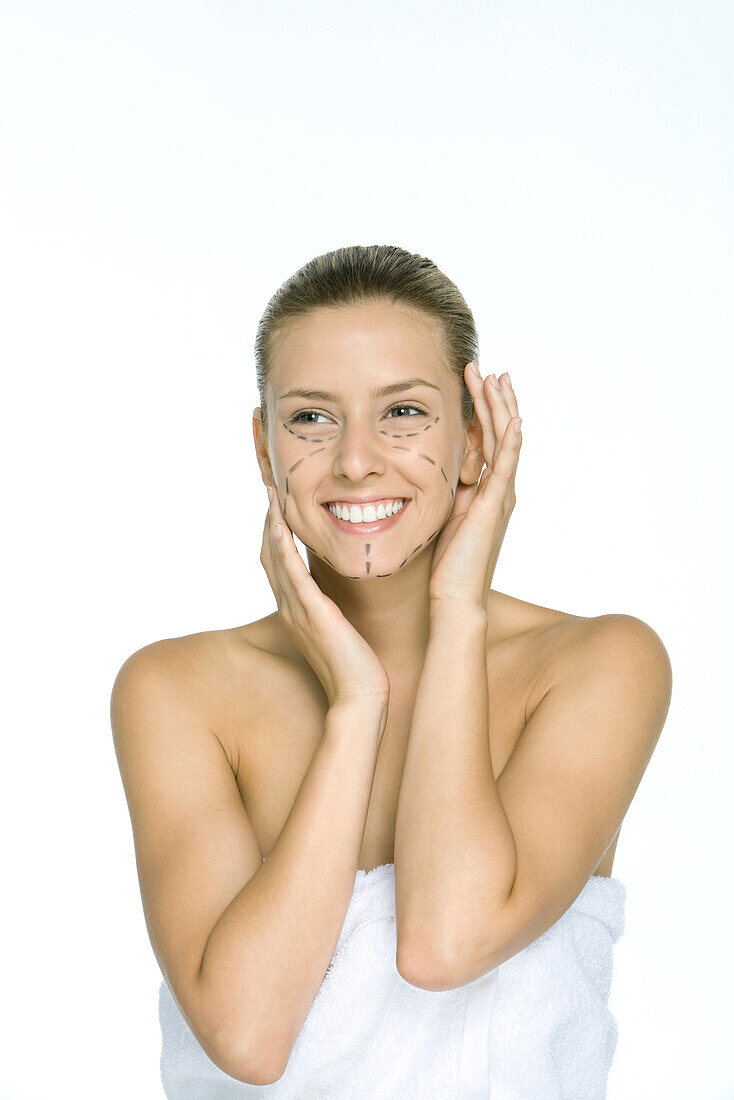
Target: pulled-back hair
359 273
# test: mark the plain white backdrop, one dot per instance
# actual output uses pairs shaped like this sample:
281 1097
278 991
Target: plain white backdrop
166 166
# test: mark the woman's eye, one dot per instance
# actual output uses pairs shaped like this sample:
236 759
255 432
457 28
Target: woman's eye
300 418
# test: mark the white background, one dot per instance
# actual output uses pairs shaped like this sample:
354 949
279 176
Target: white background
166 166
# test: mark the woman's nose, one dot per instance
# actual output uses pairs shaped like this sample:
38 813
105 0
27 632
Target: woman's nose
360 450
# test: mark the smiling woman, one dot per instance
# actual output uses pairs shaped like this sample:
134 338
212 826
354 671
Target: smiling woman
386 865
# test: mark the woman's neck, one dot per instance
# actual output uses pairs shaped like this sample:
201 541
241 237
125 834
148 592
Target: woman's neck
391 613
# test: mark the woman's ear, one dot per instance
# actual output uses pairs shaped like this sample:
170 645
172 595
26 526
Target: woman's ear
473 461
266 469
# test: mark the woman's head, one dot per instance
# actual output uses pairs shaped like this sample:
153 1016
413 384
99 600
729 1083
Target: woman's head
348 276
346 329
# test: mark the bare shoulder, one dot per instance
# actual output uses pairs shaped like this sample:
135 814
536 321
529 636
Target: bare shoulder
615 638
525 646
225 675
626 652
615 652
213 663
197 661
614 663
547 645
206 669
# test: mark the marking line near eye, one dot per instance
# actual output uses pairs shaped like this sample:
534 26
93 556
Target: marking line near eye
298 417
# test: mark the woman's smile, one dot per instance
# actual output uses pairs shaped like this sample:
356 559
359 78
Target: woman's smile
368 527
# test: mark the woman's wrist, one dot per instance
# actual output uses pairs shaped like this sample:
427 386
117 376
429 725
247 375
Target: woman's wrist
461 611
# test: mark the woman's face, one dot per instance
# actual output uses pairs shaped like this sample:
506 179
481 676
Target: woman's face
379 420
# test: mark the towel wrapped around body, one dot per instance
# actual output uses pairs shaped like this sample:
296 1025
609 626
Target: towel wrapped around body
538 1027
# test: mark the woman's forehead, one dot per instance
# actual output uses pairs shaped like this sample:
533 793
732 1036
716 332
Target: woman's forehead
377 337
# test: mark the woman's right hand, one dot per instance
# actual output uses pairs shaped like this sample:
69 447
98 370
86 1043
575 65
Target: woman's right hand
346 665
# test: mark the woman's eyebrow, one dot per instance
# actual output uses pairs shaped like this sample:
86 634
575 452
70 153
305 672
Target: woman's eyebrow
380 391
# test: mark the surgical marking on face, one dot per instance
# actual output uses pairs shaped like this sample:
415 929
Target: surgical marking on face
397 447
396 435
306 438
410 555
402 434
300 460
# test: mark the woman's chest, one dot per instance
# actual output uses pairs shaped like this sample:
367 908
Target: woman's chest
274 745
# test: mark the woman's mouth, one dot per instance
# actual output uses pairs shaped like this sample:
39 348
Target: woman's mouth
367 527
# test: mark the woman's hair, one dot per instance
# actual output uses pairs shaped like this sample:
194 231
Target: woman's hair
359 273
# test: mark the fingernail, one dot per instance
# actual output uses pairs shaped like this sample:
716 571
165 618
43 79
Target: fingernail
494 381
270 492
518 425
475 368
507 376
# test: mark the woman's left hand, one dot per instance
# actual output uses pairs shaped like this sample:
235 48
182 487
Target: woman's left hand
466 552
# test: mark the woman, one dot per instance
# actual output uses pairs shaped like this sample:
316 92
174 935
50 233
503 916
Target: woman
375 829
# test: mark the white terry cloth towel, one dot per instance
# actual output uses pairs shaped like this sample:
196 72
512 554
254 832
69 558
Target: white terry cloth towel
551 1035
535 1028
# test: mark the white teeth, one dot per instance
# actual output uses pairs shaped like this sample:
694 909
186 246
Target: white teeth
353 513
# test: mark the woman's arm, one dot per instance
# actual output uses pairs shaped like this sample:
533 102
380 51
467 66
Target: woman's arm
454 849
268 953
243 945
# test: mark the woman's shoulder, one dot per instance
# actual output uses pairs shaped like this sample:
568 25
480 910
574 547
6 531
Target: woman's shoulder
539 644
511 619
215 648
212 666
514 622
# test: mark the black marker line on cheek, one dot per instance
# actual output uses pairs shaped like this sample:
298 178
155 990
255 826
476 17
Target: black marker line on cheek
405 435
393 435
295 465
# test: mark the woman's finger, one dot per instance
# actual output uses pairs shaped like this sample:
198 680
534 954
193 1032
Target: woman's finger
268 555
503 406
484 413
509 393
497 487
295 579
288 597
501 412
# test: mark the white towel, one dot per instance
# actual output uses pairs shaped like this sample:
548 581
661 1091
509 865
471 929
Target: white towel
535 1028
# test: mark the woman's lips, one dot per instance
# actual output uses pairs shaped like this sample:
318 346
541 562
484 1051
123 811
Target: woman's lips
372 527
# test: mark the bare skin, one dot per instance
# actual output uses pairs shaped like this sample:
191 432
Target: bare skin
267 708
343 441
287 737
